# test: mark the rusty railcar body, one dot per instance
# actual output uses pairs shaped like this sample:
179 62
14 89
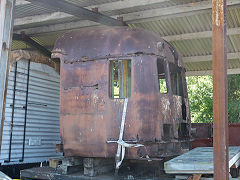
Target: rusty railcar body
100 68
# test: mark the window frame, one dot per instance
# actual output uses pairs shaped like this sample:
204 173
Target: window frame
165 69
110 95
179 73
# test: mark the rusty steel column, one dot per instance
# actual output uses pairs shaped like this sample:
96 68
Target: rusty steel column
220 101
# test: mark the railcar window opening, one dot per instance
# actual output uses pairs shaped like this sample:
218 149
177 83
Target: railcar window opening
120 79
162 80
176 79
177 85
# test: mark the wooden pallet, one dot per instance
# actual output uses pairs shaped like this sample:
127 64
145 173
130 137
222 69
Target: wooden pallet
199 161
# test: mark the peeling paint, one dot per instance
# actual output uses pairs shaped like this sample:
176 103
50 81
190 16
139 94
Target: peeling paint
97 115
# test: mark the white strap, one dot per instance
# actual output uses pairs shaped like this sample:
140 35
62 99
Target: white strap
121 144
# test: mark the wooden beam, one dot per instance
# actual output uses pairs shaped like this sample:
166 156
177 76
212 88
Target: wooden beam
188 9
21 2
209 57
209 72
73 9
123 4
136 17
6 24
58 27
117 5
32 43
186 36
112 6
41 18
199 35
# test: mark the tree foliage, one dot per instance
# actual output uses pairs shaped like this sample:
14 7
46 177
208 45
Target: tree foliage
234 98
200 98
200 92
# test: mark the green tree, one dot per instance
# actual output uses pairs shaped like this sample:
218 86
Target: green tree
234 98
200 90
200 98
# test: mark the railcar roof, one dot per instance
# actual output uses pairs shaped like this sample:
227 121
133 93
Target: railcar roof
95 43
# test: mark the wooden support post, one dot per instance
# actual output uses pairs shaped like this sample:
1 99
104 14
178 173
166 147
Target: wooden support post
6 26
220 101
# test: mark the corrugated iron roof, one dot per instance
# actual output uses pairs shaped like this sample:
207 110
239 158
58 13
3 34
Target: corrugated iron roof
174 25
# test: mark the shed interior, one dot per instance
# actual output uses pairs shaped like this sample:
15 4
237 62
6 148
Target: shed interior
186 24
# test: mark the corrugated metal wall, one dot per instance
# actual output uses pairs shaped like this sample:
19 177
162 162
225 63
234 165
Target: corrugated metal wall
32 113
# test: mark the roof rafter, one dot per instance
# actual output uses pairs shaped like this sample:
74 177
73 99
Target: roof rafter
209 72
141 16
116 4
112 6
21 2
198 35
235 55
69 8
32 43
172 11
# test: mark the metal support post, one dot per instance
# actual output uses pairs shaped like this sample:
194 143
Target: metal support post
6 25
220 101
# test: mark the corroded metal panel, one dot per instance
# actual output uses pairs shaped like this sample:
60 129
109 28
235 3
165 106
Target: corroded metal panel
234 129
203 134
90 118
107 42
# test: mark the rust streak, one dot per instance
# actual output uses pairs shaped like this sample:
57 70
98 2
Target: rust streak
91 117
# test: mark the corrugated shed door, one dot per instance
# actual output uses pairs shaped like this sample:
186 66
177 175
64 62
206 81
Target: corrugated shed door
31 127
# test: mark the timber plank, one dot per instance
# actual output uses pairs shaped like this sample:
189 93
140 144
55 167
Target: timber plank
198 161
